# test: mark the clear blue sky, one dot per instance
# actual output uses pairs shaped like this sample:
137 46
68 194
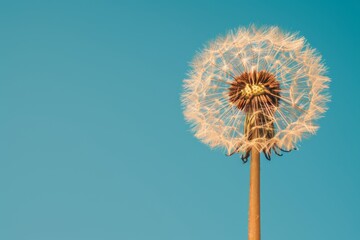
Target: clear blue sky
93 144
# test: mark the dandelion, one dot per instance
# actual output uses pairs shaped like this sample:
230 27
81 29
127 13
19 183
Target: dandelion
255 90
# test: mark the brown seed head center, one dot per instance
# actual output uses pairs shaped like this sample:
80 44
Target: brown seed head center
253 91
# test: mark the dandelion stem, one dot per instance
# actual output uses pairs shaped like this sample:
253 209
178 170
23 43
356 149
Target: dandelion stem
254 196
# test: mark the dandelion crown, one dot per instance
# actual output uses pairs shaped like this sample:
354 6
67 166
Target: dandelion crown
255 88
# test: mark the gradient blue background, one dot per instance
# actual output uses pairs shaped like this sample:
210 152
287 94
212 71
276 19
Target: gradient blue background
93 144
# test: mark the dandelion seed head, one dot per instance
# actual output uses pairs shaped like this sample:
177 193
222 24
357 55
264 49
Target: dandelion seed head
255 87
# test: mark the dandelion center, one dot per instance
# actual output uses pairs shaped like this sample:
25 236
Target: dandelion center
253 91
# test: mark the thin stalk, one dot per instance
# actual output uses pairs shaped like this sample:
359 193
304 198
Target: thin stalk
254 196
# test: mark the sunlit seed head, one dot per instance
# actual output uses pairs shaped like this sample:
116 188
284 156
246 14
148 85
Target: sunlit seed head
255 87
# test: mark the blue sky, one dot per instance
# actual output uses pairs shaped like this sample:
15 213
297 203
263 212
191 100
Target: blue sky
93 144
